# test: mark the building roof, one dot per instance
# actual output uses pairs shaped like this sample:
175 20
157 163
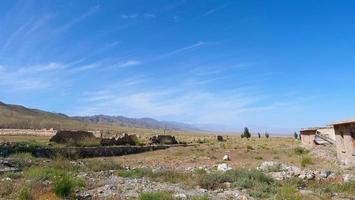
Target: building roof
310 129
349 121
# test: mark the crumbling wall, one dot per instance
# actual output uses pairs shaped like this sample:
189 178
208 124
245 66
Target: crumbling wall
163 139
307 137
124 139
69 137
345 143
328 132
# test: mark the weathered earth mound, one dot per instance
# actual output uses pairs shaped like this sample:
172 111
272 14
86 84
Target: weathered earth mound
69 137
163 139
125 139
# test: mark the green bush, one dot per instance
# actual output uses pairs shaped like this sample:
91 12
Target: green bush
287 193
155 196
24 194
204 197
135 173
64 185
300 151
43 173
305 160
104 165
258 158
241 178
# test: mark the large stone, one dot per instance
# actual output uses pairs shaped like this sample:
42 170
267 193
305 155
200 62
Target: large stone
226 158
223 167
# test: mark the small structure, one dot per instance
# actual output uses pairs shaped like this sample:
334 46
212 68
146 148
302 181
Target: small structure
124 139
307 136
72 137
345 141
163 139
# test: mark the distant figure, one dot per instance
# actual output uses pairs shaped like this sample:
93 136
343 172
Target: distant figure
259 135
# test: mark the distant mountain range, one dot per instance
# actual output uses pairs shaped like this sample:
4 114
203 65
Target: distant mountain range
136 122
17 116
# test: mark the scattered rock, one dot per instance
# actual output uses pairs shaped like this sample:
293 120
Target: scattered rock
223 167
7 166
180 196
348 177
226 158
325 174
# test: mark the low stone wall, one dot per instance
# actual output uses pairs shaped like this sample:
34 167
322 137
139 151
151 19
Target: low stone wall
89 152
28 132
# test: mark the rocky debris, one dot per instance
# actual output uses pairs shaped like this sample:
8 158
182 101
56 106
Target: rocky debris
348 177
124 139
6 166
325 173
281 171
220 138
65 137
324 152
223 167
226 158
109 186
162 139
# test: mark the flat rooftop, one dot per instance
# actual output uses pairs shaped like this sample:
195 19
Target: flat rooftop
311 128
348 121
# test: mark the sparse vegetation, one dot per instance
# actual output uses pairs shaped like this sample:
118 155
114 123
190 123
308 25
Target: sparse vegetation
63 185
247 179
300 151
306 160
156 196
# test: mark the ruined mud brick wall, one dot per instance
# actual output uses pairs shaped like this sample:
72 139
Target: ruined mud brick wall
345 142
29 132
327 131
308 136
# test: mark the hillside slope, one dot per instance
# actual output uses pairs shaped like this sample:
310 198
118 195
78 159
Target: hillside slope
16 116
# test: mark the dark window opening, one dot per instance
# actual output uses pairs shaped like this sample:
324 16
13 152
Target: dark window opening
353 135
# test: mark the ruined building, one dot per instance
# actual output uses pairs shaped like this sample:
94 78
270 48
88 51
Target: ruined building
340 134
345 141
307 136
317 135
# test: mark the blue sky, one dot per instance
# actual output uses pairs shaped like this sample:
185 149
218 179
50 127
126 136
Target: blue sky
270 65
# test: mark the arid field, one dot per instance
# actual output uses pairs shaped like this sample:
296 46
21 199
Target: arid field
192 171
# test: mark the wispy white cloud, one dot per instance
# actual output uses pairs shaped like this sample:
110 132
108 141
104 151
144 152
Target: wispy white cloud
213 10
138 15
183 49
92 10
39 76
129 63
